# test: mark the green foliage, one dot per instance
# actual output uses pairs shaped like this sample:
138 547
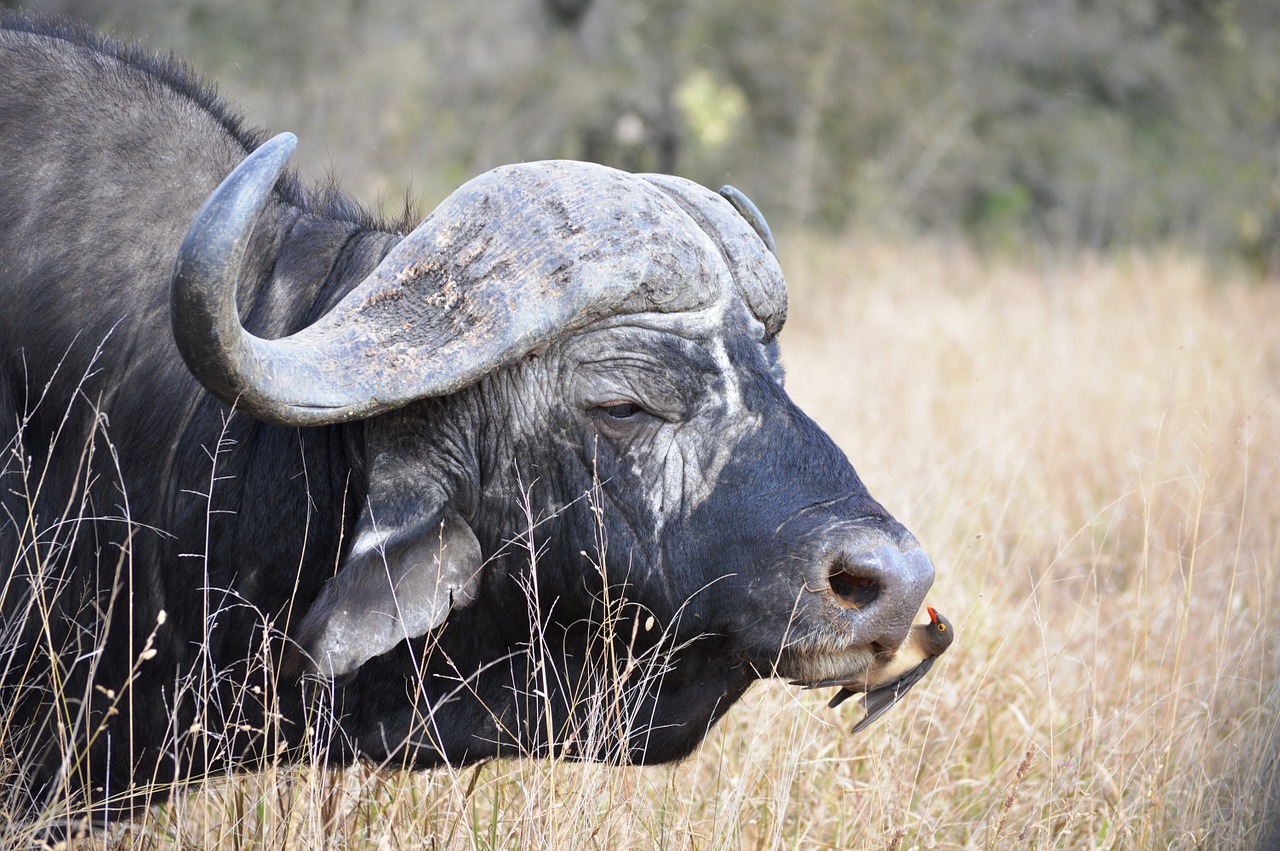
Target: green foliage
1075 123
712 111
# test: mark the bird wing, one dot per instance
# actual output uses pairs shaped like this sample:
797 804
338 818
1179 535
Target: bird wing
878 701
841 696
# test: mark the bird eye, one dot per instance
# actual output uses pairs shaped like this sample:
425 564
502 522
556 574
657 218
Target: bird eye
942 627
621 410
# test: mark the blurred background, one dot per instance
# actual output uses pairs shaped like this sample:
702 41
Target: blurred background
1032 250
1045 124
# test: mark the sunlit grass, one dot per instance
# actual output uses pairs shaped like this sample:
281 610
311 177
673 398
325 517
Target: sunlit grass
1091 452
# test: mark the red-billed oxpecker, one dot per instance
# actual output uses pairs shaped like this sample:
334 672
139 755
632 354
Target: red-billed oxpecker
894 674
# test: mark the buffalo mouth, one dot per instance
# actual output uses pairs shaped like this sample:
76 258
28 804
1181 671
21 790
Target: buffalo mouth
831 667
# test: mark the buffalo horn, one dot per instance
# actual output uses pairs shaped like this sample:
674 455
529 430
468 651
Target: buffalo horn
510 262
202 306
749 211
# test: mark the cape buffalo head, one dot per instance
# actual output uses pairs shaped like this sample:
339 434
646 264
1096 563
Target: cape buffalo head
593 516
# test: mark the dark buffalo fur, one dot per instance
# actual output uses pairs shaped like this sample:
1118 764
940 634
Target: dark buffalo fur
157 550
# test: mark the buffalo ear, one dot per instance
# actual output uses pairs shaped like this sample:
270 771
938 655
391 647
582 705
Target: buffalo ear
399 581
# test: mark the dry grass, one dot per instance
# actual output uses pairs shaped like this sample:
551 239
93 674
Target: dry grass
1092 455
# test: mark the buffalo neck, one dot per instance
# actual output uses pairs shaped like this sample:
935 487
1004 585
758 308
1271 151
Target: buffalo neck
314 478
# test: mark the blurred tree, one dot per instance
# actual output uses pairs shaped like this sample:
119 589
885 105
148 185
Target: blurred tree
567 13
1061 122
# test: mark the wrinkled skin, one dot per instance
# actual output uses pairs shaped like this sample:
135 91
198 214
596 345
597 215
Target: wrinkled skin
598 546
748 601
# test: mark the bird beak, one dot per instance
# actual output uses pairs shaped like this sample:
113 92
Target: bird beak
933 614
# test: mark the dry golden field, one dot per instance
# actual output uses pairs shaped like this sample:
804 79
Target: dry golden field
1090 450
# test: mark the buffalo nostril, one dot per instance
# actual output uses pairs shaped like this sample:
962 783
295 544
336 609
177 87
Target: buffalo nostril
851 591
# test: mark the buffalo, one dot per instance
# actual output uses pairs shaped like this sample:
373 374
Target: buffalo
281 481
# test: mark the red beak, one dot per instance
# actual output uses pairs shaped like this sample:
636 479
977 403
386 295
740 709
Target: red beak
933 614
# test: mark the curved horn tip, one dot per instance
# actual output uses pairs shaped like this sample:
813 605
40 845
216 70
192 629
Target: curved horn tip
749 211
202 306
280 145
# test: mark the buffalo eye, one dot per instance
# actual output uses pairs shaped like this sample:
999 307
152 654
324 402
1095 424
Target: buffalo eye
620 410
